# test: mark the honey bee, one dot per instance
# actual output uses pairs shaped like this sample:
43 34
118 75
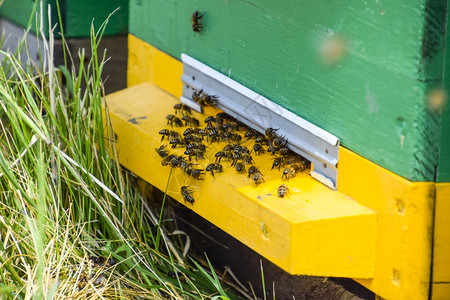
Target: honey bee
202 133
258 149
194 152
214 167
195 173
186 167
174 162
231 137
282 190
209 120
183 108
288 173
214 135
164 133
177 142
165 161
284 151
190 130
278 162
197 96
221 154
186 193
240 168
241 149
253 170
231 126
195 21
272 150
257 178
236 137
250 134
224 116
270 133
162 151
171 119
219 123
225 135
82 281
209 127
295 168
177 107
203 99
279 142
169 133
196 145
235 157
247 158
178 122
191 121
193 138
210 100
306 163
102 261
229 147
262 140
218 167
302 166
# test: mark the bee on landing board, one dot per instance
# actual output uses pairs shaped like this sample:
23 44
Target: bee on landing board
214 167
258 149
252 170
257 178
282 190
186 193
183 108
162 151
196 21
239 167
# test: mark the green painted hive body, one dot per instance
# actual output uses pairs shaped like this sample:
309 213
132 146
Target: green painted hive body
76 15
362 70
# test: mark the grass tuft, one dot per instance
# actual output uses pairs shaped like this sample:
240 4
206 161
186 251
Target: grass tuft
71 224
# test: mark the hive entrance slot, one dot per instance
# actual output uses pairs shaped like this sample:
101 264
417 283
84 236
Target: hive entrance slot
260 113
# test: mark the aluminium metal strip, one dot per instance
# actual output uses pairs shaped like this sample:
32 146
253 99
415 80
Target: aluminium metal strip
258 112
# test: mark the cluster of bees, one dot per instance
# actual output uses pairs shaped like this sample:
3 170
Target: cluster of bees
218 129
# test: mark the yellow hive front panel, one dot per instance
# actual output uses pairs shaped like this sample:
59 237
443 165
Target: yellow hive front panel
441 254
405 221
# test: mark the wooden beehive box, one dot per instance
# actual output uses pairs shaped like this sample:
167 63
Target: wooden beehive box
371 73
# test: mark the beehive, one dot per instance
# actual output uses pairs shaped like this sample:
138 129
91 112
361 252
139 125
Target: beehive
372 74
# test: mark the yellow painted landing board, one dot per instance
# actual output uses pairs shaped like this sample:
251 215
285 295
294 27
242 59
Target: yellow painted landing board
312 231
441 260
